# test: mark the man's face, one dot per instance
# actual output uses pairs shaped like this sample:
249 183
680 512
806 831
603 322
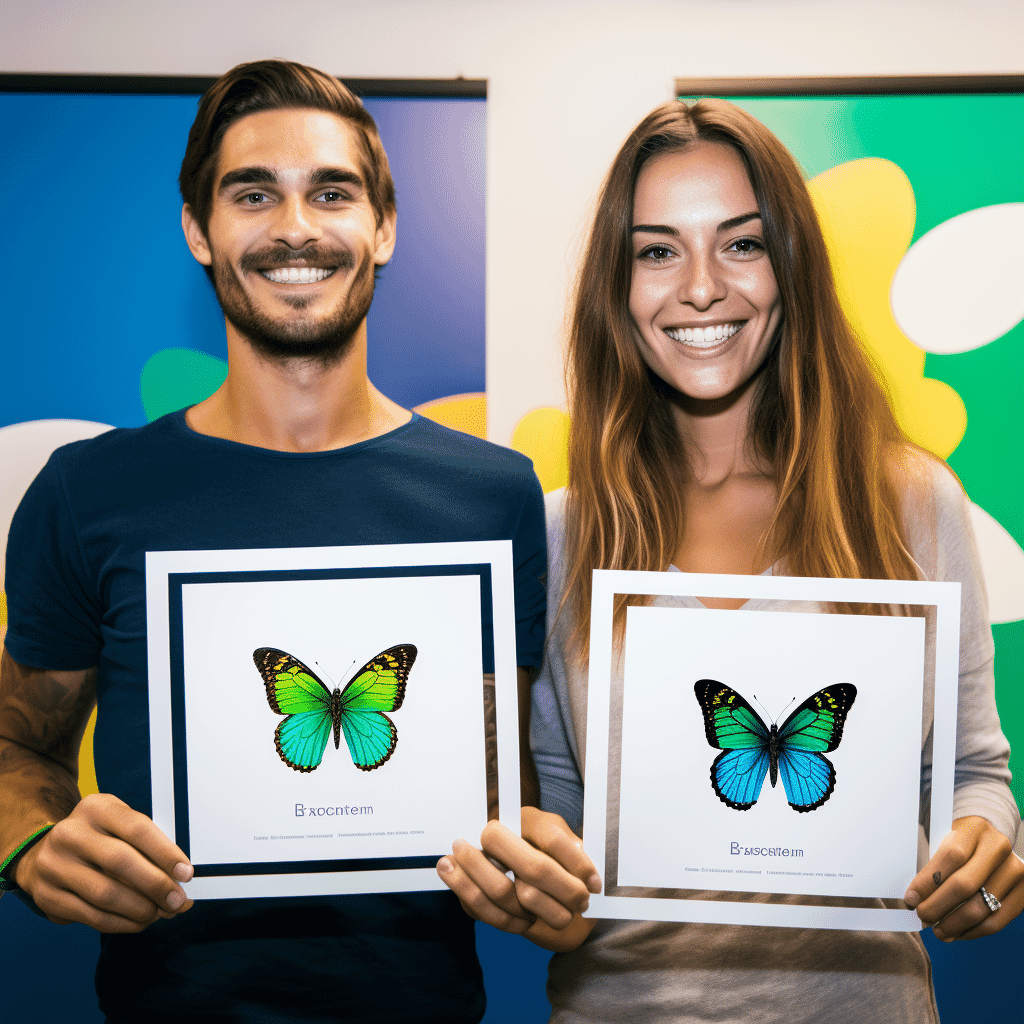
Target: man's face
293 238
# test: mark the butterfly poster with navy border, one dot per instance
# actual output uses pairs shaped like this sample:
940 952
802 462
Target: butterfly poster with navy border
320 721
762 764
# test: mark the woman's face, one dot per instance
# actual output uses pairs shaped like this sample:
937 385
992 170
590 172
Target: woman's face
703 296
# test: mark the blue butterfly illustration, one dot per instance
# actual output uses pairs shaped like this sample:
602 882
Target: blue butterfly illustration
751 751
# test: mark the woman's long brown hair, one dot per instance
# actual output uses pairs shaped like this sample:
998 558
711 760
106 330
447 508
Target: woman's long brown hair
819 417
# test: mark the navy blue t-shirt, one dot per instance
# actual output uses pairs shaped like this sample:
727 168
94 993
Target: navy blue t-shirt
75 584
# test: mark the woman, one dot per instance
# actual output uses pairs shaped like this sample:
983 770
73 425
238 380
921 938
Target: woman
726 420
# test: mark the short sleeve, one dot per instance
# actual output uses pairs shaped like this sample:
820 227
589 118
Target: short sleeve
529 553
53 612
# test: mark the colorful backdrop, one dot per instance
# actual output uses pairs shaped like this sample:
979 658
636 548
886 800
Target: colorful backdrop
920 196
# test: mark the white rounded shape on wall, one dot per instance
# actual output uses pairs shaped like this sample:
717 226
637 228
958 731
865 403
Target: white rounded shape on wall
1002 563
961 285
24 449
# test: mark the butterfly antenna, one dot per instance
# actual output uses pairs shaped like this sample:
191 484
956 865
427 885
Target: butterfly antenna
325 674
784 710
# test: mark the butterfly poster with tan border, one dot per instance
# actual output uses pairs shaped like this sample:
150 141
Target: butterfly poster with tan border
745 755
320 718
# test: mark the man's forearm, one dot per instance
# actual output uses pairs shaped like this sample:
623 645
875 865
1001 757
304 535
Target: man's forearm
43 714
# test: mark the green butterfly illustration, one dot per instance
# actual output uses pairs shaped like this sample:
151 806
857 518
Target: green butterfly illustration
313 711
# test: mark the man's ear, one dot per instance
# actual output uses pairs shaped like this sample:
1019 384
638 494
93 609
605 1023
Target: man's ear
194 237
385 239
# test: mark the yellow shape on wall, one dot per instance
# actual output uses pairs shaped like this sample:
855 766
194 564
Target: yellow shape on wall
543 435
86 767
467 412
867 212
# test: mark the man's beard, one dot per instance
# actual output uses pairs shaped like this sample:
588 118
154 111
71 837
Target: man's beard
326 339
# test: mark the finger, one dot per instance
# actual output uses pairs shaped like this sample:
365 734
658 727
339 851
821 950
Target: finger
539 870
475 901
489 877
99 866
550 833
139 832
129 847
962 884
66 907
974 918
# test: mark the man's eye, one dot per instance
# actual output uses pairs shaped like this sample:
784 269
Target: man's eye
333 196
254 198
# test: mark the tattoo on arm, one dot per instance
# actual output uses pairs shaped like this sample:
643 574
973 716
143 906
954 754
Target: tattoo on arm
43 714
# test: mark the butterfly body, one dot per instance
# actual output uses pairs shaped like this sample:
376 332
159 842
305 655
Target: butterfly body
313 712
752 751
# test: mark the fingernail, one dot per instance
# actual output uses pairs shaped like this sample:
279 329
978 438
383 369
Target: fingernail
175 900
594 883
912 898
444 866
183 872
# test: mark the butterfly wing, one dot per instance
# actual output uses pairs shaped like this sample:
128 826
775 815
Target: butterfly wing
377 687
294 690
812 730
734 727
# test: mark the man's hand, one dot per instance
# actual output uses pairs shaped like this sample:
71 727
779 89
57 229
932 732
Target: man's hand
946 893
553 879
107 866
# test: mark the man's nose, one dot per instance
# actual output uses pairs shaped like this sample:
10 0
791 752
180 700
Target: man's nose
295 224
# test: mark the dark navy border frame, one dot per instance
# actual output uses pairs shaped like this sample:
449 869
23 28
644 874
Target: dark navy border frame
175 582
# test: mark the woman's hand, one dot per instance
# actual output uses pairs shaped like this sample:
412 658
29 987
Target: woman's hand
947 891
553 879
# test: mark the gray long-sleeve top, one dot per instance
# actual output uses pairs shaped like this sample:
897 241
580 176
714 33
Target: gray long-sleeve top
681 973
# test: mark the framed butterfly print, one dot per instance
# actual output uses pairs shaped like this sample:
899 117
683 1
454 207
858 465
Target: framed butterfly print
743 763
323 720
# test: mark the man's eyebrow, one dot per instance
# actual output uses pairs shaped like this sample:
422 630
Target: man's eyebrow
335 176
247 176
664 229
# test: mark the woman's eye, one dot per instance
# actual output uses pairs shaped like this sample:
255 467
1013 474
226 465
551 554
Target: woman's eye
655 253
745 246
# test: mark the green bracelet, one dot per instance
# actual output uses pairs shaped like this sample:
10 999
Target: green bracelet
7 883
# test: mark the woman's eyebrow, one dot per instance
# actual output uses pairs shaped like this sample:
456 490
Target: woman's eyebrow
664 229
653 229
735 222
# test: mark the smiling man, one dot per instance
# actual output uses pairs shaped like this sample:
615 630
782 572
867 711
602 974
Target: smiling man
289 205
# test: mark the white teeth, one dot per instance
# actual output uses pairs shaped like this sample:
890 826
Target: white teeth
703 337
296 275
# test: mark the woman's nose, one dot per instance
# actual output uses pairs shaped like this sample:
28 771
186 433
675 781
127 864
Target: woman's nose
701 283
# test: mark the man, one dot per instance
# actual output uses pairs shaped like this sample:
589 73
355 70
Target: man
289 205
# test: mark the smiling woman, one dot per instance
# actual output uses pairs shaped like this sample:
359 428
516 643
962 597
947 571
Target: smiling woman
726 420
703 296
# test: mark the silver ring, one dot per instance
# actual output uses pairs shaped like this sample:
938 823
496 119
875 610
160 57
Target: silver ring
990 901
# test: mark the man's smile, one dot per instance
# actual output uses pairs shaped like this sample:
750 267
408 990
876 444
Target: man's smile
297 275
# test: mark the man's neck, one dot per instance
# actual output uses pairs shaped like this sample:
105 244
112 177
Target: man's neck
296 405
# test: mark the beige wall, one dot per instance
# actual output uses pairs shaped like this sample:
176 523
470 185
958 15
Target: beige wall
568 79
